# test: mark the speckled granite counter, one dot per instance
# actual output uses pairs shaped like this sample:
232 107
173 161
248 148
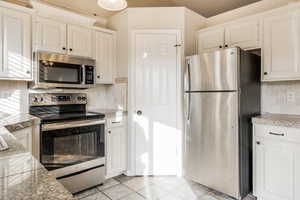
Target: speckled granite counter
110 113
21 175
291 121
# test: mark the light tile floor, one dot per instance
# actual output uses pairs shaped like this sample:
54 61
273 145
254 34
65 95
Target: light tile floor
155 188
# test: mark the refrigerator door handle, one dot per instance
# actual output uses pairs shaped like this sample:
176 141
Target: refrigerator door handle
188 88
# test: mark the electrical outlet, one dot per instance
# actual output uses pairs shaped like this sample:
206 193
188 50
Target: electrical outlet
291 97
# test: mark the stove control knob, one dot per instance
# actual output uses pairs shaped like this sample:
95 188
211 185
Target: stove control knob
35 99
79 98
83 98
41 99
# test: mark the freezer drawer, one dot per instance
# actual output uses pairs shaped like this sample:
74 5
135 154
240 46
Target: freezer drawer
212 71
212 141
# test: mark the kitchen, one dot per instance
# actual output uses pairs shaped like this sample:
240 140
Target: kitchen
149 100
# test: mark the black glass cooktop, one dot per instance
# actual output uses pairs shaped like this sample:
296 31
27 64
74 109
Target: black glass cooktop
53 114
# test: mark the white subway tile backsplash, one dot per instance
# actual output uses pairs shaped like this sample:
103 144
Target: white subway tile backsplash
281 97
13 97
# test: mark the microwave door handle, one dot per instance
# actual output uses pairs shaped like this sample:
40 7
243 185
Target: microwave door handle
81 74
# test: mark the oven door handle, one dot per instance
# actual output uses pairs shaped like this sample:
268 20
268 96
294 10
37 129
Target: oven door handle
65 125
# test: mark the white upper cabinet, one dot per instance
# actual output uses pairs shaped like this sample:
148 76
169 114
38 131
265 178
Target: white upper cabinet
105 57
210 39
15 49
51 35
243 34
79 41
59 37
281 46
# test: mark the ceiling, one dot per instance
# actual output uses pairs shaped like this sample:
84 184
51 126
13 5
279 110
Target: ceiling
206 8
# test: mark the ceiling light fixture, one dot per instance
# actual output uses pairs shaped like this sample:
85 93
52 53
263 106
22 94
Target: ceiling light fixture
112 5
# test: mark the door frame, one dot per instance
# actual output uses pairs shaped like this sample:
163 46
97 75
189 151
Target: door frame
131 160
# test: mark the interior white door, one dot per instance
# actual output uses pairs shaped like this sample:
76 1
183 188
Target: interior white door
79 41
156 135
51 36
16 35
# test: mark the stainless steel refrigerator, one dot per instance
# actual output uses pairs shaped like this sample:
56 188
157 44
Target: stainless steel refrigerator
222 93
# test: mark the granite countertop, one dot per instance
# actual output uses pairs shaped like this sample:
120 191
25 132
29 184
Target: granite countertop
291 121
21 175
109 113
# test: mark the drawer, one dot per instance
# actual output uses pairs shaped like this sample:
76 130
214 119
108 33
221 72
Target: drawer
277 132
115 122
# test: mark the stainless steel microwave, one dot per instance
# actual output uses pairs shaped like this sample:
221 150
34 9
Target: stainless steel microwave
63 71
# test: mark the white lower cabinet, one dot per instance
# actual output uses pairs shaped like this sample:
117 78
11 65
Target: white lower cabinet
116 147
276 163
24 137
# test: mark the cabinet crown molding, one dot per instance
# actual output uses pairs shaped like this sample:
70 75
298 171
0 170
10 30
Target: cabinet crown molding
62 15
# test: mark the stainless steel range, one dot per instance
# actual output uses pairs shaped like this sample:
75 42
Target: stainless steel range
72 143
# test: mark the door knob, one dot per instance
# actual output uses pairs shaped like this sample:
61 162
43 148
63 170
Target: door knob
139 112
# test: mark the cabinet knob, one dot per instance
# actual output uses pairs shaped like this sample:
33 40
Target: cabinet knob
220 46
109 132
139 112
265 73
64 48
226 45
71 49
98 76
258 142
27 72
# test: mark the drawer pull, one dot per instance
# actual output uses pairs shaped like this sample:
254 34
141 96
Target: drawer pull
276 134
116 122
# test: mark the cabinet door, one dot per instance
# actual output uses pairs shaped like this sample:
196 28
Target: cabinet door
105 57
274 170
24 137
244 35
16 49
51 36
210 40
281 47
79 41
116 144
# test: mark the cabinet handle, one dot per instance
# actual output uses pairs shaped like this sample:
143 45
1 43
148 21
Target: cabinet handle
64 48
116 122
220 47
265 73
276 134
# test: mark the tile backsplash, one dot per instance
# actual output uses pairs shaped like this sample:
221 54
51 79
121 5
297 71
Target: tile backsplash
13 97
281 97
277 97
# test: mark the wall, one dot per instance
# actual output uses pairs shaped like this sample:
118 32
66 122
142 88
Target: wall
251 9
281 97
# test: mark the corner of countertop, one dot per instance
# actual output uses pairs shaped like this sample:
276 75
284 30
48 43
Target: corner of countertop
274 119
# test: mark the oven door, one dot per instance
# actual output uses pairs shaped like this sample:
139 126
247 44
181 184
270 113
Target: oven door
72 143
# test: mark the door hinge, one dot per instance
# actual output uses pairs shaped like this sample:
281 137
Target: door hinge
177 45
